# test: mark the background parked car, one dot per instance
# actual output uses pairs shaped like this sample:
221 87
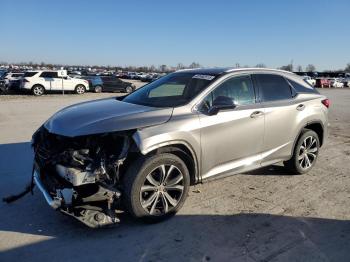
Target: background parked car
39 82
337 83
114 84
3 87
346 81
95 83
323 82
310 80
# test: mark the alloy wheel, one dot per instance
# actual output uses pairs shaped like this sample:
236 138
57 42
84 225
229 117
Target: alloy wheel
38 90
162 190
308 152
129 89
80 89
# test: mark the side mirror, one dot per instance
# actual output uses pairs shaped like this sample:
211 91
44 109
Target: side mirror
221 103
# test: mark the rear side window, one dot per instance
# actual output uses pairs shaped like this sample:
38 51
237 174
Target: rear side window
273 87
306 88
49 74
29 74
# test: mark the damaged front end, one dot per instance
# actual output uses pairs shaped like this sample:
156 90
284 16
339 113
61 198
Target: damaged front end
80 176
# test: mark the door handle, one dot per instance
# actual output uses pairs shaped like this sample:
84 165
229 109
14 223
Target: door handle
256 114
301 107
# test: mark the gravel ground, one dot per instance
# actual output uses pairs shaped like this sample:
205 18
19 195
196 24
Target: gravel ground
265 215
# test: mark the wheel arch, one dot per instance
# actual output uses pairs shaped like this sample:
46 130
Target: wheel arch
181 149
316 126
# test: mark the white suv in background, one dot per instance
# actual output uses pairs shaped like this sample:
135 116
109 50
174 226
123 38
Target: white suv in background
39 82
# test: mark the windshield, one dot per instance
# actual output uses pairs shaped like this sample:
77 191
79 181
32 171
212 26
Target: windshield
173 90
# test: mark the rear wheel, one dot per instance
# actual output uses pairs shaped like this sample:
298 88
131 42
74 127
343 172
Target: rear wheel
80 89
305 153
156 187
38 90
98 89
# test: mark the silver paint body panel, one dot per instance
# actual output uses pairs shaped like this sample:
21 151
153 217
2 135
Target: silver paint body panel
227 143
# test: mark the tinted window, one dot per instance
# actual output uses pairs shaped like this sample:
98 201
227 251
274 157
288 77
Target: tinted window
17 75
273 87
29 74
49 74
239 89
302 88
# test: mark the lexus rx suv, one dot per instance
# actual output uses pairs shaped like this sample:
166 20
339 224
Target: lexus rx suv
141 152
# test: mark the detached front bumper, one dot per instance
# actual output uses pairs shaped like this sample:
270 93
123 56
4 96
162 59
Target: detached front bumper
94 210
54 203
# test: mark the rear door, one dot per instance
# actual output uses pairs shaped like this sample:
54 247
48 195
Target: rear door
281 116
51 80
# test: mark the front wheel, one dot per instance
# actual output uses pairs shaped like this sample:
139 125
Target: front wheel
305 153
129 89
156 187
80 89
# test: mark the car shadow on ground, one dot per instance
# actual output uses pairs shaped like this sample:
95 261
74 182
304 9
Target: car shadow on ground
31 231
273 170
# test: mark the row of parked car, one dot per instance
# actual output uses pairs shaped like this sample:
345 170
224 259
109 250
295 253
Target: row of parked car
40 82
328 82
144 77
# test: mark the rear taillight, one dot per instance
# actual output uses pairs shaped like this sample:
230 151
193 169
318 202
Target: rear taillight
326 102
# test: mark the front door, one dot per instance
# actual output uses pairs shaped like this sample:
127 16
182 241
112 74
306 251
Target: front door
232 139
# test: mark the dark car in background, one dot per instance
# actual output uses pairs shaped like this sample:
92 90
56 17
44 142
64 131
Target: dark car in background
108 83
95 83
114 84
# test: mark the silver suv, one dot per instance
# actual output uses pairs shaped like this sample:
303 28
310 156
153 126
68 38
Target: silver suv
141 152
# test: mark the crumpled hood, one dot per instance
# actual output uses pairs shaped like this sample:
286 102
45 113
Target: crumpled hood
105 115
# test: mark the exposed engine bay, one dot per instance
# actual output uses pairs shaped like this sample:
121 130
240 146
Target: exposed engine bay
82 174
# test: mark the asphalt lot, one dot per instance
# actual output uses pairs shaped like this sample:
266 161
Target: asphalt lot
265 215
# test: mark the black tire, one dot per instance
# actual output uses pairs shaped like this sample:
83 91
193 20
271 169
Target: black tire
80 89
38 90
98 89
129 89
298 164
135 178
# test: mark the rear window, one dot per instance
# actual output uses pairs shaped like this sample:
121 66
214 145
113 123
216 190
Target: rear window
273 87
29 74
49 74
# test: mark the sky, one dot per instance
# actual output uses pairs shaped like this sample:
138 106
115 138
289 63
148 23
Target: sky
212 33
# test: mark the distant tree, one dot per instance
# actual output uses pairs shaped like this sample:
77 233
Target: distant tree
288 67
310 68
237 65
180 66
163 68
347 68
152 68
299 68
261 65
194 65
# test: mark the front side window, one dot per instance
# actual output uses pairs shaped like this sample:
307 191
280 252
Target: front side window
170 91
273 87
239 89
